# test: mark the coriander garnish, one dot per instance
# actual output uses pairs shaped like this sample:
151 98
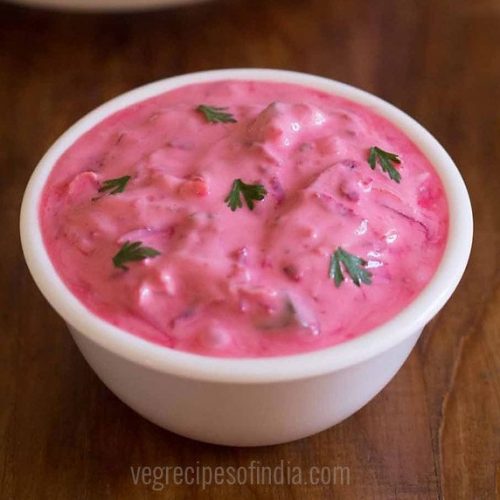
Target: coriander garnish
386 160
352 264
250 192
133 251
114 186
216 114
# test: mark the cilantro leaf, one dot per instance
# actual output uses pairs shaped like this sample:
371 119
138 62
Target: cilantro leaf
216 114
386 161
114 186
352 264
250 192
133 251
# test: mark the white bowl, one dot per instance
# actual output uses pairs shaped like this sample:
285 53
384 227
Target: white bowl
262 401
104 5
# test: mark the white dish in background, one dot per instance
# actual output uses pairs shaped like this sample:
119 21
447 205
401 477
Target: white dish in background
103 5
253 401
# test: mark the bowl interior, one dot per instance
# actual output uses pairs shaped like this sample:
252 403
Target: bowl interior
405 323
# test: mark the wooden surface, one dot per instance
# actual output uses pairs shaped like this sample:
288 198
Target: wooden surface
434 432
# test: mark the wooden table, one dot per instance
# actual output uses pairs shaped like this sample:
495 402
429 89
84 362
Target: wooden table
435 430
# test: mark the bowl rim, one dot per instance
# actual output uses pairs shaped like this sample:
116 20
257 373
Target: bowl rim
124 344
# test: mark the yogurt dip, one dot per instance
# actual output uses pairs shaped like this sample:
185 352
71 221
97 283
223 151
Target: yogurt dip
245 219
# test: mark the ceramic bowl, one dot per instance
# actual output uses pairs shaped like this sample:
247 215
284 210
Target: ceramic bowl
104 5
261 401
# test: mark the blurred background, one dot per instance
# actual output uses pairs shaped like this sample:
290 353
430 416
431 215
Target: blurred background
434 431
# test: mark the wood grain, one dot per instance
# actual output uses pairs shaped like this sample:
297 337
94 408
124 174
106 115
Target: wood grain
434 432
